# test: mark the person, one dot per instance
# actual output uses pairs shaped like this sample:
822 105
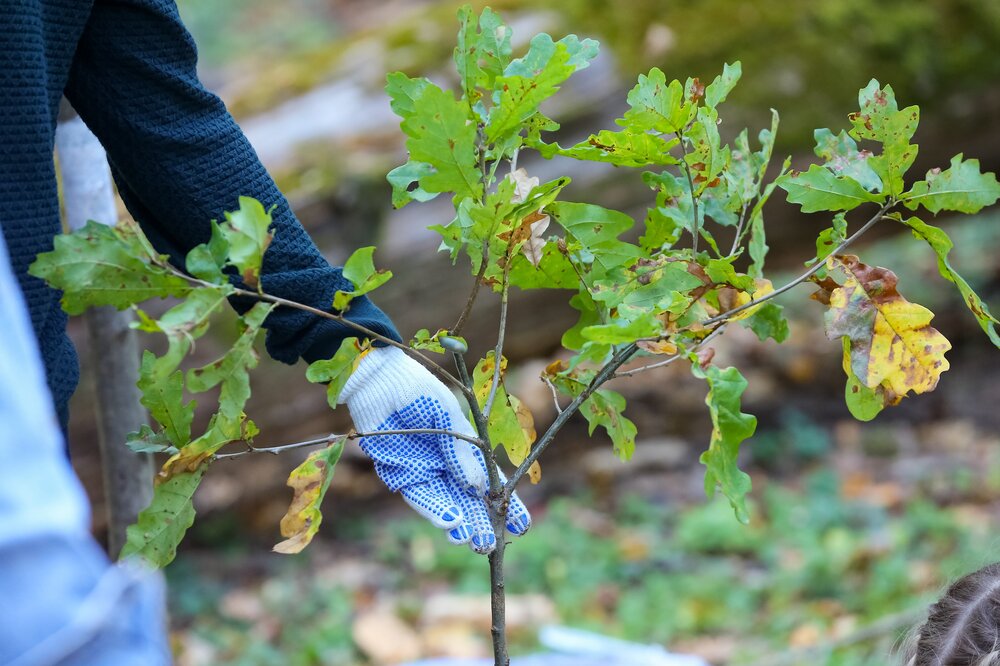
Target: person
179 160
963 626
62 601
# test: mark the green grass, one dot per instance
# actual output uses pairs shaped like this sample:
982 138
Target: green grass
810 563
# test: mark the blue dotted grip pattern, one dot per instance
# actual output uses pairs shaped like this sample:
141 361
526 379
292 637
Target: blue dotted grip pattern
425 469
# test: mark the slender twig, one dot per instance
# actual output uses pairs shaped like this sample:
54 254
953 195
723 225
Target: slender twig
555 393
498 351
806 275
275 450
659 364
602 376
416 431
281 448
482 425
695 227
442 374
464 316
739 230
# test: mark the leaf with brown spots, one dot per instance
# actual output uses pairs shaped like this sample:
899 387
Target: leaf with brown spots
892 347
247 232
162 524
102 265
510 424
309 481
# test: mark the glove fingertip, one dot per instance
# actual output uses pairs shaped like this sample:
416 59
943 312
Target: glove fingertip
459 535
483 543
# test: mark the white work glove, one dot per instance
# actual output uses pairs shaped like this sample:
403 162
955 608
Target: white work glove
443 478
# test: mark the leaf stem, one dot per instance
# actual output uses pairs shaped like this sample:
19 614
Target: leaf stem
708 338
498 351
807 274
695 227
555 393
739 230
275 450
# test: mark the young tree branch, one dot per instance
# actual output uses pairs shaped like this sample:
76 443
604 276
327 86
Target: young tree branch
659 364
809 272
441 373
498 351
695 227
606 373
332 437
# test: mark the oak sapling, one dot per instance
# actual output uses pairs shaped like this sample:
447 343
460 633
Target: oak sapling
697 267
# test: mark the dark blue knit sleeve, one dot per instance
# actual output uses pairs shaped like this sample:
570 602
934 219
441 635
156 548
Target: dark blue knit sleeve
180 160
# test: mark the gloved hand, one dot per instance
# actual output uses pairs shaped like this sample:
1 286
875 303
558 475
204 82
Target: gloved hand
443 478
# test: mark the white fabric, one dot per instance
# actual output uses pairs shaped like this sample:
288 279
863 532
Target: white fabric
386 381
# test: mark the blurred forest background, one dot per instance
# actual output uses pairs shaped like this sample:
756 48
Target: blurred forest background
854 529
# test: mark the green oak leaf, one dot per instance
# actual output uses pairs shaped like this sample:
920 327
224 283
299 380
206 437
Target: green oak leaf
510 423
844 159
819 189
483 51
162 389
707 157
147 441
880 119
423 339
604 408
207 260
656 105
404 180
360 270
768 321
939 241
404 93
730 427
184 323
597 229
337 370
624 148
533 78
830 238
961 187
232 371
643 325
717 91
102 265
246 231
161 525
584 303
440 133
554 271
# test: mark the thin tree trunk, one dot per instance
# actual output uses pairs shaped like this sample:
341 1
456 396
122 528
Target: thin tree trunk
87 194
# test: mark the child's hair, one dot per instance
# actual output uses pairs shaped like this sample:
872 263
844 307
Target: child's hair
963 627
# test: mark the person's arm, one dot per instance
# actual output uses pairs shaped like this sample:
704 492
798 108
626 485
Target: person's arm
180 160
61 601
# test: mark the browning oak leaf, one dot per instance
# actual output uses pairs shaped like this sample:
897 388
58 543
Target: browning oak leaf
309 481
893 347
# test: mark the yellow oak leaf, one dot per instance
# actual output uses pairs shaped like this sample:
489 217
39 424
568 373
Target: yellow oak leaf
892 347
309 481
